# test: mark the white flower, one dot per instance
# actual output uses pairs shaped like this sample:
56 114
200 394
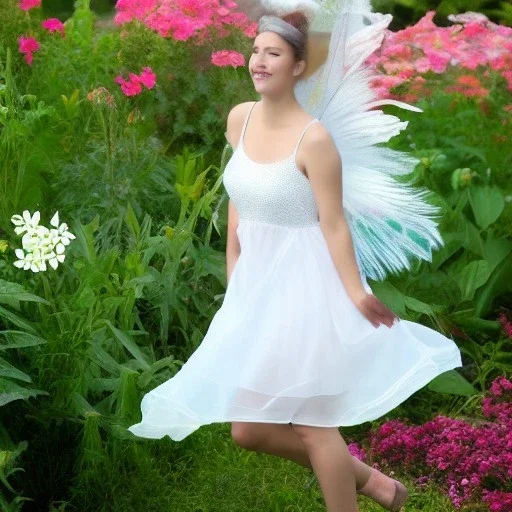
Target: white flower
61 234
22 261
26 223
40 244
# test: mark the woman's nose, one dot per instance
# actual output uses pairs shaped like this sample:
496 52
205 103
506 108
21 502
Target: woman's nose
260 60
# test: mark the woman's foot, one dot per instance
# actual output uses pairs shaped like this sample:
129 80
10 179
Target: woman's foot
386 491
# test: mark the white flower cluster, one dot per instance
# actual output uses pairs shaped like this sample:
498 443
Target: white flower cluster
40 244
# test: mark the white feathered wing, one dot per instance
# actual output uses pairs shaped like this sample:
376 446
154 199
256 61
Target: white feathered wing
391 222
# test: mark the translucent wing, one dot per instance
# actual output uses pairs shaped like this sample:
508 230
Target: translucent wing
391 222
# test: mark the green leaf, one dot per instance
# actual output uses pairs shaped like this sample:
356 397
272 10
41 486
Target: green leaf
472 277
131 221
81 405
499 281
390 296
103 359
129 344
418 305
8 370
496 250
13 293
147 375
19 339
9 391
16 320
487 204
453 383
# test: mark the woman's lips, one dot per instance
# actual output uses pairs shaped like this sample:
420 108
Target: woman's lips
260 78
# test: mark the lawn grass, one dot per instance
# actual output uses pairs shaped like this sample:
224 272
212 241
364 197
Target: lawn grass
208 472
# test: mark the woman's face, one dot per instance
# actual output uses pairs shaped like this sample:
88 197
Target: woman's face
272 64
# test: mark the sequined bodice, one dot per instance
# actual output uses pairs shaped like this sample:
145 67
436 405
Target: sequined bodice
275 193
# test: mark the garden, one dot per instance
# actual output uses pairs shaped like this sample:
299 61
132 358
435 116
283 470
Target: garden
113 221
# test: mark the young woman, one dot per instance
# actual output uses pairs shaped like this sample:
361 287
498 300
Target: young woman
300 345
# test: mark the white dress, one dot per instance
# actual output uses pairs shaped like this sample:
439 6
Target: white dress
288 345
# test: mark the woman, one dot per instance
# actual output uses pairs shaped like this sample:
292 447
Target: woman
276 123
300 345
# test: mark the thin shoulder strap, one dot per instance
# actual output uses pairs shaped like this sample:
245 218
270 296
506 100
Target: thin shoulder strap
302 134
245 123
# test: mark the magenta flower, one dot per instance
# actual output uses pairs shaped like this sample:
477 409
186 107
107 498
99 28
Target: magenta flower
131 87
357 451
28 45
471 462
223 58
53 25
26 5
147 78
504 320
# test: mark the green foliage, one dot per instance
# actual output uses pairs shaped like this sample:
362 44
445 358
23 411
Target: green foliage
469 279
408 12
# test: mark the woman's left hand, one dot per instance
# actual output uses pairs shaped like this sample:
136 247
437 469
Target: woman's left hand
374 310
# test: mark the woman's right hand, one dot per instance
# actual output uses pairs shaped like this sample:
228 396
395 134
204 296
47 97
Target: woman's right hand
374 310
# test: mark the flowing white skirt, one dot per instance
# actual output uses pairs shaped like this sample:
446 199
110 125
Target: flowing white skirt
288 345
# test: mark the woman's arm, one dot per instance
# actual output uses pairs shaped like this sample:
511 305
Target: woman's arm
324 169
232 244
234 125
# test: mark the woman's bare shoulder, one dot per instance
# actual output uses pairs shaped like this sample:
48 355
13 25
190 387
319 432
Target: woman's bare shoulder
319 136
235 121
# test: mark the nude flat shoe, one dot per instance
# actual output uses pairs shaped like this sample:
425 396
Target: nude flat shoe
399 498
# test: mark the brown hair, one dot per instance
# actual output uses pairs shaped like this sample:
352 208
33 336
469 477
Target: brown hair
298 20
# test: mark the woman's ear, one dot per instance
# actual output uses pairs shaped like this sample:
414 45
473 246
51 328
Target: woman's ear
300 66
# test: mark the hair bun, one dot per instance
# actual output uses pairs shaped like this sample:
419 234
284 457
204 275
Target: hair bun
297 19
283 7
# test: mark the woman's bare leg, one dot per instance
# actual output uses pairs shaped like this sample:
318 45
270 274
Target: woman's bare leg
332 464
283 441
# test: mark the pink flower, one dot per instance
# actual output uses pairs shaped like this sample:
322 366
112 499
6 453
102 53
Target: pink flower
223 58
504 320
26 5
28 45
131 87
147 78
183 19
53 25
438 60
356 451
473 41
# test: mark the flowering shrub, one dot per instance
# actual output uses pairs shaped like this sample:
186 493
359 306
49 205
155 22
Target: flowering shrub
472 462
184 19
473 41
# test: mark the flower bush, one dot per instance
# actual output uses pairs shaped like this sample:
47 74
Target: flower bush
471 461
424 48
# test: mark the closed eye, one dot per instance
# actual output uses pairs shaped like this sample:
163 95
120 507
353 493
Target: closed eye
276 54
